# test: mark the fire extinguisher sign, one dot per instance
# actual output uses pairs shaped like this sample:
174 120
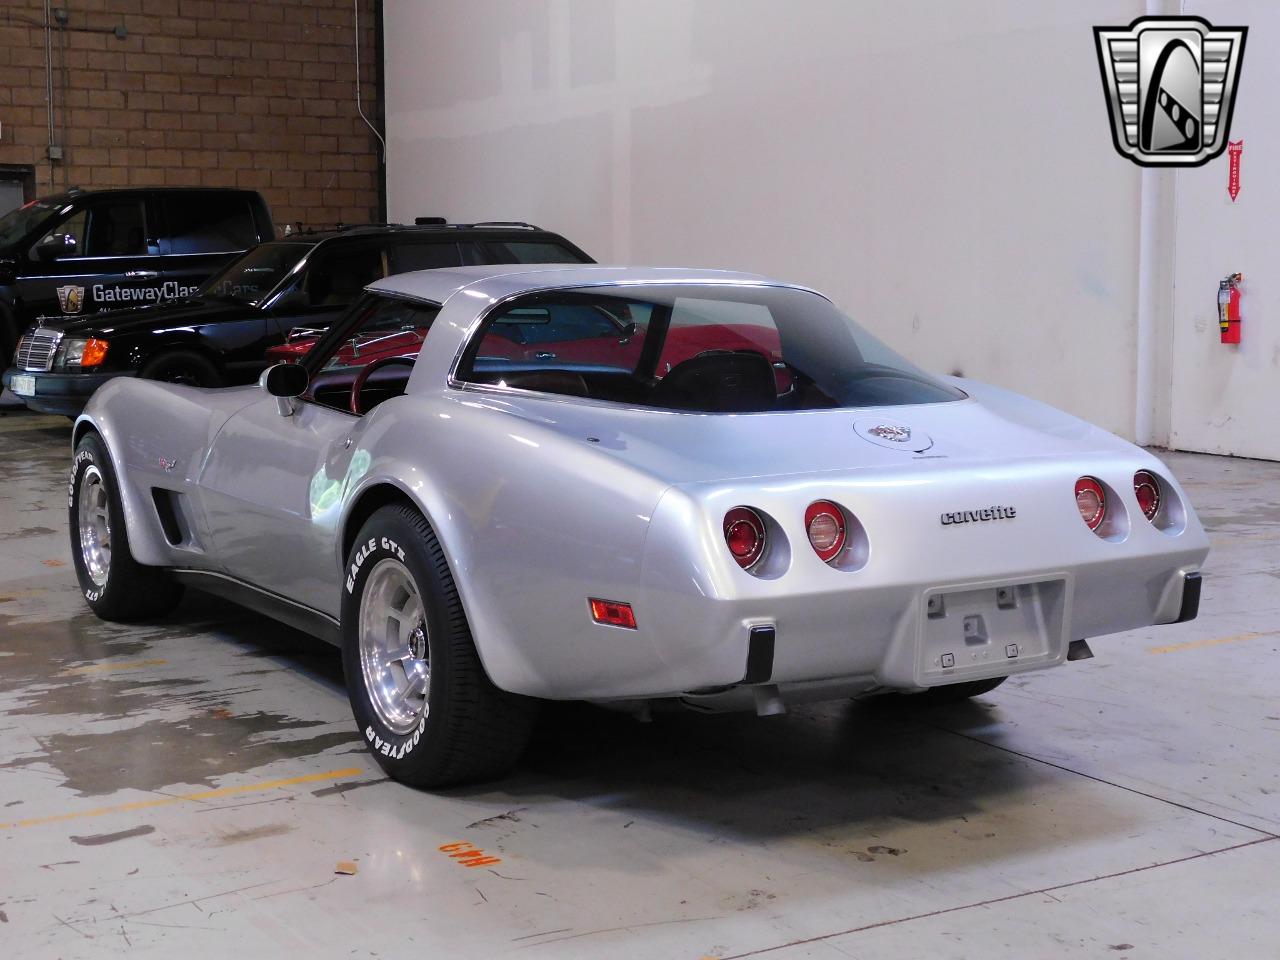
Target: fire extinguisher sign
1234 149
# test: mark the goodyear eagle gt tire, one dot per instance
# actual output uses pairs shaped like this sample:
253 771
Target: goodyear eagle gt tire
115 586
421 697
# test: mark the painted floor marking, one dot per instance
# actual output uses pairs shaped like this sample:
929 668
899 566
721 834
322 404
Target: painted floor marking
186 797
1215 642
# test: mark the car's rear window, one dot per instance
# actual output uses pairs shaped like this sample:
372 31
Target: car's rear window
209 222
715 348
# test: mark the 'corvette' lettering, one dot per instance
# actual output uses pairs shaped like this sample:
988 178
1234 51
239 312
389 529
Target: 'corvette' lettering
976 516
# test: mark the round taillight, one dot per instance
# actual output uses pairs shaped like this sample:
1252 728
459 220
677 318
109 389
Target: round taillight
1091 500
1147 489
745 534
824 522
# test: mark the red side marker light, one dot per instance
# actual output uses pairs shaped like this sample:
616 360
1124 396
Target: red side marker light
613 613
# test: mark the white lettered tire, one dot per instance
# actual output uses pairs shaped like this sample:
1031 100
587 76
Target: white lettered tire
420 695
115 586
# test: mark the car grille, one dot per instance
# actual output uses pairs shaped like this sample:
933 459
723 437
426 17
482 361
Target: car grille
36 350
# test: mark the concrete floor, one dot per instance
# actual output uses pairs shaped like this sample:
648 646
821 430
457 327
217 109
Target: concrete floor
187 789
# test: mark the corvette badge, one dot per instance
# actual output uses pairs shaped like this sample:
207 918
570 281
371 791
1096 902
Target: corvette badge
891 431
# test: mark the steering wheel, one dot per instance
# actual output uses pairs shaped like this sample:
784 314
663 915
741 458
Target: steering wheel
357 386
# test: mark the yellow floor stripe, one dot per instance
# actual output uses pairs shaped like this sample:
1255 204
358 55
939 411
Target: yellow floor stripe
1218 641
109 667
202 795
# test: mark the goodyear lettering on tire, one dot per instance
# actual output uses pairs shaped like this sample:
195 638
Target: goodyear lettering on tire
388 749
80 458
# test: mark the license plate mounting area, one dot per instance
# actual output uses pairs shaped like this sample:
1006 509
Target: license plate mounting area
976 631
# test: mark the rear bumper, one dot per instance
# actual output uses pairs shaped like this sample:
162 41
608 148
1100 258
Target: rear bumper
884 636
60 393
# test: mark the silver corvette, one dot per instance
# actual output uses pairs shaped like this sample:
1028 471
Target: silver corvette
495 485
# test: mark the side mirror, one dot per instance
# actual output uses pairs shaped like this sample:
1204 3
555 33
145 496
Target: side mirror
286 382
56 246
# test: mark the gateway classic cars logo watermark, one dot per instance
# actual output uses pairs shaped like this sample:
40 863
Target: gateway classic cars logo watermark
71 298
1170 84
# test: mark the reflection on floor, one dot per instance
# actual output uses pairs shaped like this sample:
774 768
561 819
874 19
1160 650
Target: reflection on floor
194 785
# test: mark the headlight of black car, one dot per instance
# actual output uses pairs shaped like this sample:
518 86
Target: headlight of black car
82 354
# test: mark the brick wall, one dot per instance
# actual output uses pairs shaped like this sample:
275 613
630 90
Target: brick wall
254 93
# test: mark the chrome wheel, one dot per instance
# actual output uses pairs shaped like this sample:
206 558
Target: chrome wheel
395 651
95 526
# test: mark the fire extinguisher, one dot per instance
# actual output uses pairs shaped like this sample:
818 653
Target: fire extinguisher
1229 307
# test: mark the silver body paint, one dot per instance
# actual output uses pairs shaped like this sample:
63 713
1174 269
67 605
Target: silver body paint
541 502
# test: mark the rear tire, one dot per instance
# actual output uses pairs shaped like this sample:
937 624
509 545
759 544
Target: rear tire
183 366
419 693
115 586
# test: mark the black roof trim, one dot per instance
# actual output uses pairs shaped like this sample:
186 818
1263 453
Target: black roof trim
439 229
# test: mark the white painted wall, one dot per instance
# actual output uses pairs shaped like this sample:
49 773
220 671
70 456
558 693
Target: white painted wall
1226 399
943 170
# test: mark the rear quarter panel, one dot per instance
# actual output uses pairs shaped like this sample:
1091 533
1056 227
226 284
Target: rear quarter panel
533 523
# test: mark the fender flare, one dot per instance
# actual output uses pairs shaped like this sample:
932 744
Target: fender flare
378 490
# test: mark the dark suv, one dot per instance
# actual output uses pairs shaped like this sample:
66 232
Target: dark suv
89 250
221 334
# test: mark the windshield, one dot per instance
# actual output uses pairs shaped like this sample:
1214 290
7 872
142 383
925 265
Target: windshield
714 348
251 277
17 224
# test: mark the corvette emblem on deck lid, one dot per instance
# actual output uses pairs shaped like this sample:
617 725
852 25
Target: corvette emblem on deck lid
892 435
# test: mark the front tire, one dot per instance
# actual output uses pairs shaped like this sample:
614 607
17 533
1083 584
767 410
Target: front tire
185 367
8 337
115 586
419 693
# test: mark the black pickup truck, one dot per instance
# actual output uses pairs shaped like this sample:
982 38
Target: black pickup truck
88 250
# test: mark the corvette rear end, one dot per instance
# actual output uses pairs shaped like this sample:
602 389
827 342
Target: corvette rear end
796 557
907 578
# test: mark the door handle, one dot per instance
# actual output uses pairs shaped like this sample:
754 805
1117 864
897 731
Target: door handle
141 274
544 355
